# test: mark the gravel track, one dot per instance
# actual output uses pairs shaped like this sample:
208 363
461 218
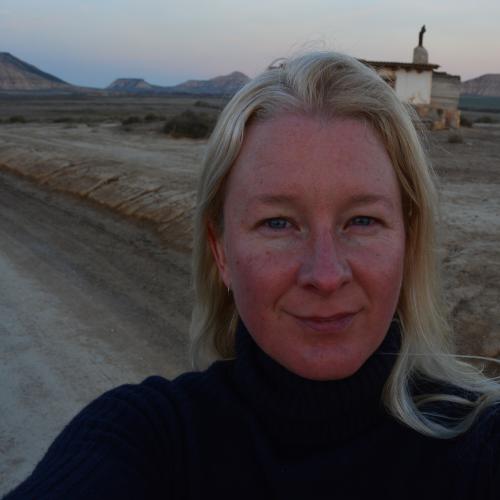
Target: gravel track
87 302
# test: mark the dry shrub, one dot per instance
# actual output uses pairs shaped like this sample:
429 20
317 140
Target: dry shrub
455 137
152 117
465 122
17 119
63 119
131 120
190 124
485 119
205 104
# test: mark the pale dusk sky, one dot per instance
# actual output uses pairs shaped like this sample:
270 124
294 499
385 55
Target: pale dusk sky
92 42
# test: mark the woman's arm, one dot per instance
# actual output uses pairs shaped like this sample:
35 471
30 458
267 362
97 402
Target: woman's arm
119 446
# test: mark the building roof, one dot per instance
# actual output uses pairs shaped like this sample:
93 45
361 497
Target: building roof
446 75
401 65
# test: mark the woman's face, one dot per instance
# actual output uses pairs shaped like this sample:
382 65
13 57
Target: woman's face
313 242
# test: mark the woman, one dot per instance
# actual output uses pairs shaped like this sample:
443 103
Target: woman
317 314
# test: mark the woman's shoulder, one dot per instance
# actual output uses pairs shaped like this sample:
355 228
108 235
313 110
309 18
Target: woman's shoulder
154 401
123 444
158 390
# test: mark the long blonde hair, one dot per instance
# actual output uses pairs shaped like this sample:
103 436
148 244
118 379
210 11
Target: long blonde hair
333 85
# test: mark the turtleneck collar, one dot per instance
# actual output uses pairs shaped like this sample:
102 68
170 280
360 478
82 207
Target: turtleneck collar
302 411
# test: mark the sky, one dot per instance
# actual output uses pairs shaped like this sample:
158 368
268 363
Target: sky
93 42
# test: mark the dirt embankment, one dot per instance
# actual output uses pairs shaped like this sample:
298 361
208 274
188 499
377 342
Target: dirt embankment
148 178
152 178
470 235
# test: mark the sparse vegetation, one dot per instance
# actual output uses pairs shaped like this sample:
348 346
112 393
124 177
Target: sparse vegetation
455 137
152 117
190 124
63 119
465 122
205 104
485 119
102 109
131 120
17 119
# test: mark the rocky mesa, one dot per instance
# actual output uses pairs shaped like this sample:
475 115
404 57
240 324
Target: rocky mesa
485 85
17 75
220 85
227 84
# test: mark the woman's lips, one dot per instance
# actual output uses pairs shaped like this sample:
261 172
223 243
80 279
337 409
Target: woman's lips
331 324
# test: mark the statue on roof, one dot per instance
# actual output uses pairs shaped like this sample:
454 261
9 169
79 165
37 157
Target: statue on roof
420 55
421 36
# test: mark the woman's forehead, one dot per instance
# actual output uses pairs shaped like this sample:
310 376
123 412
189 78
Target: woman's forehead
301 137
292 156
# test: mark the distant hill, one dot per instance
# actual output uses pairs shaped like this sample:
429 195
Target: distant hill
220 85
486 85
131 85
228 84
17 75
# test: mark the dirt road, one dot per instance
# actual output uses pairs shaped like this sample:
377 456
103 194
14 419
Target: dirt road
87 302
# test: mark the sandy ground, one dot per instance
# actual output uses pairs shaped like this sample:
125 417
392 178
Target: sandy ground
470 235
87 302
151 179
142 176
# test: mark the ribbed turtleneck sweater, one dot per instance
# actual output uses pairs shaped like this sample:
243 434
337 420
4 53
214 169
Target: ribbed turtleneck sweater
249 428
299 411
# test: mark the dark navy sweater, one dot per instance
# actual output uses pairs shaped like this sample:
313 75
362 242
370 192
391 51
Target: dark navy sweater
248 428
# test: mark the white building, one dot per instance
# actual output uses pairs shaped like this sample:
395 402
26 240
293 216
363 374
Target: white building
434 94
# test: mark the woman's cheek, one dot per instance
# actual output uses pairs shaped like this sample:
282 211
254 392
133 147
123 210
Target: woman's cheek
385 261
386 251
259 270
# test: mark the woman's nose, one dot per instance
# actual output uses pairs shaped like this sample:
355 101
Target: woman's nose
325 267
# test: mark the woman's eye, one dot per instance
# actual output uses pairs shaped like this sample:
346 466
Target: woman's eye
277 223
362 220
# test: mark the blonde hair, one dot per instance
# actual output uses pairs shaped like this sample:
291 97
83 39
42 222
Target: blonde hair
332 85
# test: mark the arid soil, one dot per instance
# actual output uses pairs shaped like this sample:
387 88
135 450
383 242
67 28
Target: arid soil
92 110
144 176
88 302
470 235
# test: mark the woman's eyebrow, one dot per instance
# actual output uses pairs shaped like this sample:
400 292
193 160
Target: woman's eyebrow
360 199
366 199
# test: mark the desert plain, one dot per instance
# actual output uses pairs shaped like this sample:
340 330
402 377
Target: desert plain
93 154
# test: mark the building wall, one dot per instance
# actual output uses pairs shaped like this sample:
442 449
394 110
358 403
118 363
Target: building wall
445 90
433 94
414 87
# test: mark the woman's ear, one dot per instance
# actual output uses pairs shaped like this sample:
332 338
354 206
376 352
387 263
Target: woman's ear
219 254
